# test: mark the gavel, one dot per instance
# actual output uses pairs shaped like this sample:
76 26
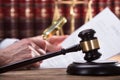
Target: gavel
89 45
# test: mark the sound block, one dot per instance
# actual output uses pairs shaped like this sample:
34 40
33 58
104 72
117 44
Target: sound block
104 68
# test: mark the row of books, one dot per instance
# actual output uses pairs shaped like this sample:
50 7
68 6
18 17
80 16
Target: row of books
26 18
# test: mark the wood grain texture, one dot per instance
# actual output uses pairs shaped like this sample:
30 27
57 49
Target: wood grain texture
50 74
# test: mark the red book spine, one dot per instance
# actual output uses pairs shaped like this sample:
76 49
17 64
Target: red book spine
1 21
64 9
117 8
99 5
26 18
44 10
110 4
102 4
95 7
10 18
80 13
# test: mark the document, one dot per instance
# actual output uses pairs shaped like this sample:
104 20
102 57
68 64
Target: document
107 27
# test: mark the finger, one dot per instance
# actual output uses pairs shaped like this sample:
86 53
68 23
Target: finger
56 40
36 51
115 58
51 47
39 41
43 52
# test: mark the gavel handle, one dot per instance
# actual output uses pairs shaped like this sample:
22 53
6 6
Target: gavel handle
23 63
27 62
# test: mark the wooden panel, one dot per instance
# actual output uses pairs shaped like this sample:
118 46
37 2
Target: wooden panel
50 74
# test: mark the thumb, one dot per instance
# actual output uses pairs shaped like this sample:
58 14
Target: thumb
56 40
52 48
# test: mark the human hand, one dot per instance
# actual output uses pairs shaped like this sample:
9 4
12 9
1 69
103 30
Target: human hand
54 43
29 48
115 58
21 50
50 45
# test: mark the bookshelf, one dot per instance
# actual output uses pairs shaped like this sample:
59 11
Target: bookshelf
27 18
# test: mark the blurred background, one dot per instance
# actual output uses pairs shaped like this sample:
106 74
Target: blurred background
27 18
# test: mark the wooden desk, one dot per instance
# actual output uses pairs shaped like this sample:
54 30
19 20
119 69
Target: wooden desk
50 74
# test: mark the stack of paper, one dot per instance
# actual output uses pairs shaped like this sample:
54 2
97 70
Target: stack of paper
107 27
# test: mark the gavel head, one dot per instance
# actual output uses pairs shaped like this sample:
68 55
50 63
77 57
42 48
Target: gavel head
89 45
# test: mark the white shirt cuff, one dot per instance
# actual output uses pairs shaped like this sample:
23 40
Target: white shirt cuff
6 42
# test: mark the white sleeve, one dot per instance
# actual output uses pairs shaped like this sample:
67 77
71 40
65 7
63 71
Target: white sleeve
6 42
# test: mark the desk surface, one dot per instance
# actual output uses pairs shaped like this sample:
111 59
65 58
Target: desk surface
50 74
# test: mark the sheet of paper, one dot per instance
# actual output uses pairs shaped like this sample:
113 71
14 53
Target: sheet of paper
107 27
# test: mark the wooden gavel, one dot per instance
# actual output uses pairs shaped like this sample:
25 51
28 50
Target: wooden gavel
89 45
